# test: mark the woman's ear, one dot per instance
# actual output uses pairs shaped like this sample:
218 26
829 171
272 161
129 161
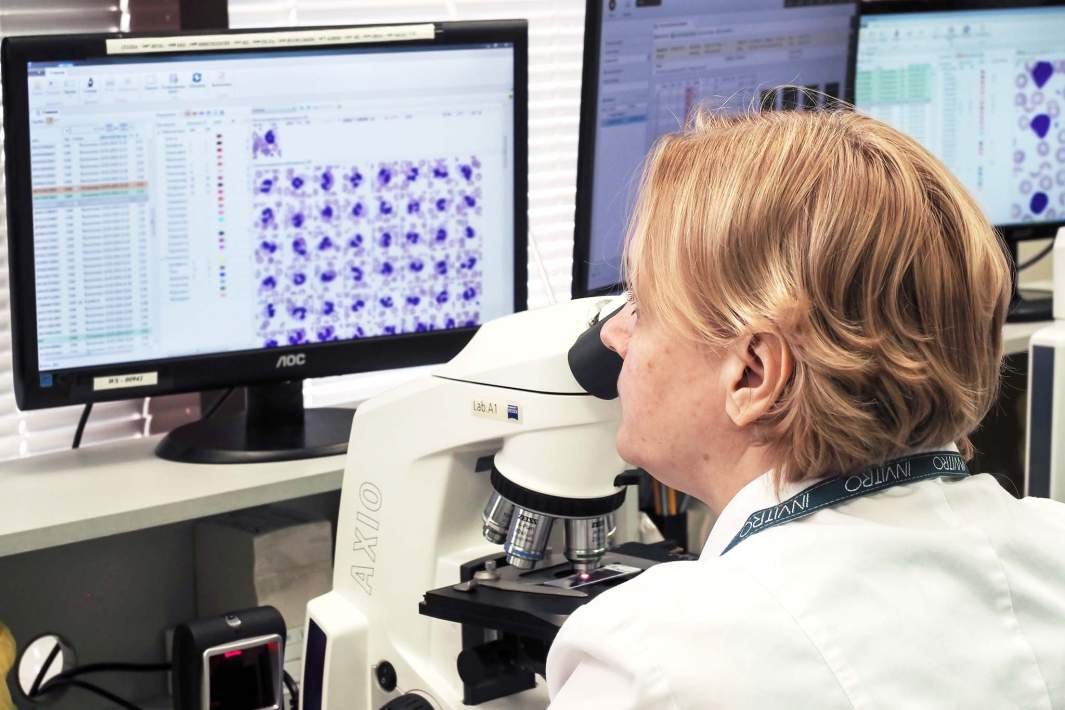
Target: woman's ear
757 368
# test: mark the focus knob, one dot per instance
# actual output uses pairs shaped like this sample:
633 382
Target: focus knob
410 701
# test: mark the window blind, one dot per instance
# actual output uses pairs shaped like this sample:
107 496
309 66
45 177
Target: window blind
29 433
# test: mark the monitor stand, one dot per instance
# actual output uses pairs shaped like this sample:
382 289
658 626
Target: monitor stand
275 427
1027 305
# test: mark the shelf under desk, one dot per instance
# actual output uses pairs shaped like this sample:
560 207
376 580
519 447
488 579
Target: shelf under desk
102 490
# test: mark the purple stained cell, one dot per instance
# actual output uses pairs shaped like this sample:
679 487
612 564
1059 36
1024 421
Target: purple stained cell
1041 125
297 220
441 205
297 336
441 267
442 297
413 237
469 294
271 343
441 234
450 323
328 307
358 305
417 265
1039 202
327 212
389 330
299 278
357 210
469 263
359 332
387 268
327 180
420 327
325 243
386 301
268 246
413 300
384 207
270 137
385 240
413 207
1041 73
467 172
299 245
269 283
326 333
328 275
412 174
470 323
440 171
355 179
469 232
297 182
270 310
298 312
266 185
356 273
355 242
267 216
470 201
384 176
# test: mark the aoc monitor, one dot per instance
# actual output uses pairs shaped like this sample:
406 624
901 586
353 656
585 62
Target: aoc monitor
647 63
982 86
197 211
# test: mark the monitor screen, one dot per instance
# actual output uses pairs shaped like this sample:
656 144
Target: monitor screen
649 62
982 90
213 203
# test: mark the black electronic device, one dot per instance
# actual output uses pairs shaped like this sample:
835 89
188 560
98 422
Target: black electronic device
510 617
230 662
980 84
647 64
252 208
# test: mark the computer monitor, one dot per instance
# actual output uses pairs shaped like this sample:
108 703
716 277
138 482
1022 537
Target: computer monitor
982 86
647 63
193 211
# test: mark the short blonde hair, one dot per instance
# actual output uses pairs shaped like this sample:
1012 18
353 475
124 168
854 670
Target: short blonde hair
856 246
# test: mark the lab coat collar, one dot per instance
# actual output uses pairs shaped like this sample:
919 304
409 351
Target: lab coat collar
759 494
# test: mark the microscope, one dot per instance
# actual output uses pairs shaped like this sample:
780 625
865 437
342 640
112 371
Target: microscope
458 493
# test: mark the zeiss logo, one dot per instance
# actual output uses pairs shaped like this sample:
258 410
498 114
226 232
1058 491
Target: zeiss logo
291 360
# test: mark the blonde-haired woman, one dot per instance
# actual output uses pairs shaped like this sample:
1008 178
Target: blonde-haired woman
815 329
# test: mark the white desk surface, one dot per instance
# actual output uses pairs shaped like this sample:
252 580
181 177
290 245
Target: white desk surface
114 488
1016 335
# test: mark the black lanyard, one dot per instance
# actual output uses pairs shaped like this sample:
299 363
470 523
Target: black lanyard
838 489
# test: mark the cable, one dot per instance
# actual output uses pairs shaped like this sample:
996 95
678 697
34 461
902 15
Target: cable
55 685
1033 260
218 403
36 687
104 667
293 691
81 425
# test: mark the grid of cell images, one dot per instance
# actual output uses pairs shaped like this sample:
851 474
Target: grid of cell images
355 251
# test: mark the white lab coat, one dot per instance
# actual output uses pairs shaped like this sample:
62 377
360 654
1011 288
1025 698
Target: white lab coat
944 593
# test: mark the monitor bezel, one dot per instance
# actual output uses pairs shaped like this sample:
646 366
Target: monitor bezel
1013 232
586 134
244 367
